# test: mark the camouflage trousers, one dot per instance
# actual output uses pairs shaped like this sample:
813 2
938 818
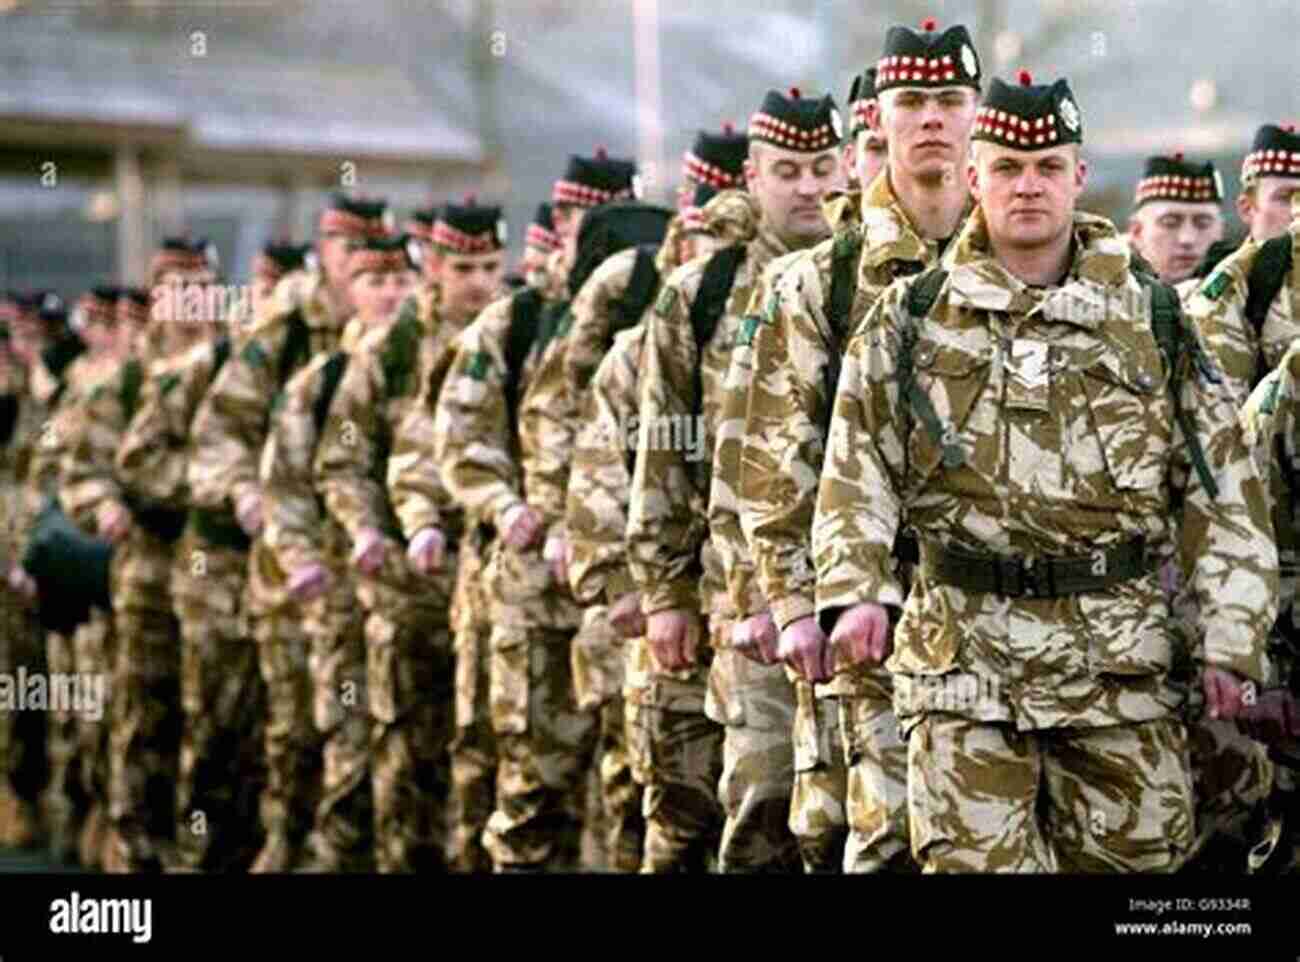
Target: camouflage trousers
147 720
222 772
24 761
677 755
409 677
876 798
473 753
65 801
984 797
343 836
543 739
292 750
598 674
818 800
93 651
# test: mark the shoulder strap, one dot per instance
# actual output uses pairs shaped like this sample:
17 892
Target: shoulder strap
844 280
710 303
331 375
297 346
1267 275
1169 329
922 295
132 378
920 300
220 355
524 310
398 359
641 289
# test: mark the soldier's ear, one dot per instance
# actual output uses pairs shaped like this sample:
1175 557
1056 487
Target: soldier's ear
973 175
1245 208
874 119
1080 173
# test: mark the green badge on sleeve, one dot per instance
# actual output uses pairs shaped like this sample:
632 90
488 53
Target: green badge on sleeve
748 328
253 355
167 384
478 365
667 298
1216 285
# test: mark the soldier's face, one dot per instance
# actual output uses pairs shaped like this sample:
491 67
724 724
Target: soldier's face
1027 196
334 250
376 295
469 282
263 290
1174 236
567 218
869 154
534 259
789 187
1266 211
927 131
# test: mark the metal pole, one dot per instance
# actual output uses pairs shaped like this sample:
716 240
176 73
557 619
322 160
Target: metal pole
649 105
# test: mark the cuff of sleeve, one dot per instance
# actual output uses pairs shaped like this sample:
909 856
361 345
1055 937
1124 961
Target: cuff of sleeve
786 611
618 583
672 596
241 488
1252 667
415 519
497 511
294 558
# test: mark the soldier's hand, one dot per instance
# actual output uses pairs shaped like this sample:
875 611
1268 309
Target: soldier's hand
21 583
1223 692
368 551
556 553
862 634
248 512
625 615
427 551
309 582
757 639
804 648
1273 719
522 526
113 521
673 637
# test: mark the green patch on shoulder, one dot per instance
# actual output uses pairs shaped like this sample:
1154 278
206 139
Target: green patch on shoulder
478 365
1268 404
748 329
277 402
667 298
167 383
253 354
1216 285
566 322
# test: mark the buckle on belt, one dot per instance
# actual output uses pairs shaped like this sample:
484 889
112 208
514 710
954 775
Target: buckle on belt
1023 576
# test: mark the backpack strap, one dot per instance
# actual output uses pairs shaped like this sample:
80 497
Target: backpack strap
398 358
132 379
331 375
920 300
845 251
710 303
525 309
220 355
297 347
641 289
1169 329
1267 275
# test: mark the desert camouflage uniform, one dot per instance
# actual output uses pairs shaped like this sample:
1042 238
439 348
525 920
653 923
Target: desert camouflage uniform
230 429
676 565
146 715
794 340
220 774
674 750
1056 437
1234 773
541 734
408 635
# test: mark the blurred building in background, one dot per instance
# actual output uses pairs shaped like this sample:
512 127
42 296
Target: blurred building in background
232 119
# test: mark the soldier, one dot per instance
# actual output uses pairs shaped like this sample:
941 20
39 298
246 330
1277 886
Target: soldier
864 150
1043 731
407 632
540 242
1244 310
305 318
1177 215
792 162
490 466
906 218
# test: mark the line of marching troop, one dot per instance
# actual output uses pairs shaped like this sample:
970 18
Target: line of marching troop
875 509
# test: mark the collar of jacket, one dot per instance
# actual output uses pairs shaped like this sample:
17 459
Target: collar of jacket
1098 274
842 208
315 303
888 234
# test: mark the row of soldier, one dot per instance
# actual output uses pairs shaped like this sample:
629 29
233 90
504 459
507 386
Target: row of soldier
920 524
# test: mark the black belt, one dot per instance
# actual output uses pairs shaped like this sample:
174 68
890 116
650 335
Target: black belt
164 523
219 529
1038 577
907 550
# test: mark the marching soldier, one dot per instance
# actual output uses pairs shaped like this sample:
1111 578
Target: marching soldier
1033 656
906 218
792 162
491 466
1270 177
305 318
407 631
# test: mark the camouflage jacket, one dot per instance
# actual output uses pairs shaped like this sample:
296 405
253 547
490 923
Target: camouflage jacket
232 421
1051 433
603 457
485 465
668 539
1218 309
362 443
